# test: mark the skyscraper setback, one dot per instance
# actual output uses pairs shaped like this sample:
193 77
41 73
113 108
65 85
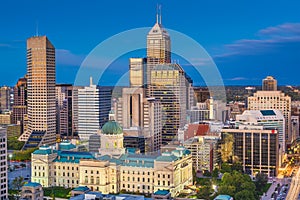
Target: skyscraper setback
41 92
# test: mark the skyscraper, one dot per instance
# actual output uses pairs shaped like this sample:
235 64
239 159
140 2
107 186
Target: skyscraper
169 85
41 92
137 71
158 46
269 84
20 102
141 118
88 111
5 100
64 114
264 100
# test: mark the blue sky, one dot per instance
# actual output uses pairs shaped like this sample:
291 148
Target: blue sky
248 40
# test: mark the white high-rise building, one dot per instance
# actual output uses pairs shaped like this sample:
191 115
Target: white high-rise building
269 119
88 111
268 100
3 166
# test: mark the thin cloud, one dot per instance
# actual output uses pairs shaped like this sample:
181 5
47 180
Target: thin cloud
267 40
4 45
237 79
67 58
198 62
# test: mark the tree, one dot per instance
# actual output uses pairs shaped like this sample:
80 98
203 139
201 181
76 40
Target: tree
207 173
225 167
17 183
237 166
244 195
215 173
261 179
234 183
204 192
227 147
227 189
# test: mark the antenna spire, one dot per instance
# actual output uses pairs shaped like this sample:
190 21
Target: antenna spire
156 13
37 29
159 14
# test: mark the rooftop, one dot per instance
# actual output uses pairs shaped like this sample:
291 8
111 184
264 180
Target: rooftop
81 189
32 184
161 192
112 127
223 197
72 156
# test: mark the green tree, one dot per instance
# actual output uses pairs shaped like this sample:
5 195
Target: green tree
17 183
237 166
244 195
234 183
261 179
215 173
227 189
207 173
204 192
227 147
225 167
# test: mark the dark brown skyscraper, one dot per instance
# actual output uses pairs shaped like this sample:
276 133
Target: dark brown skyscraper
20 102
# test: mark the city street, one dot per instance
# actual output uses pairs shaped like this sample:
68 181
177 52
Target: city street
23 172
294 190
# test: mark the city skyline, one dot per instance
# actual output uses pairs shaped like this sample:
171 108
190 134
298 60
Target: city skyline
263 32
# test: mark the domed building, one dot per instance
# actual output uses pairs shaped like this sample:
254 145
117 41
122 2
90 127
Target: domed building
111 137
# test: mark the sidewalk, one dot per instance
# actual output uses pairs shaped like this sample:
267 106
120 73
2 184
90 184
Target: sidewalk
270 191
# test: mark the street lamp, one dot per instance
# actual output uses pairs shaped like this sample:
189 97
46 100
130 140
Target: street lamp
10 157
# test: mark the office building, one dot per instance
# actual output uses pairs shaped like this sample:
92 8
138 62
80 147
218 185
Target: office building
75 110
201 94
204 150
141 119
105 95
268 100
64 110
20 102
88 111
40 93
295 128
3 166
169 86
269 84
137 72
5 118
269 119
255 147
5 99
198 113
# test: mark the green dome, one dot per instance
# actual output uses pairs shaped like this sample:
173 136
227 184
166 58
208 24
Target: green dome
112 127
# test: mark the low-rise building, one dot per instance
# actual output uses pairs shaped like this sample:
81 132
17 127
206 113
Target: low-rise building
32 191
204 151
114 170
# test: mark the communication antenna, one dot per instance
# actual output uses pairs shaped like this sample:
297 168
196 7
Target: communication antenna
37 28
159 14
